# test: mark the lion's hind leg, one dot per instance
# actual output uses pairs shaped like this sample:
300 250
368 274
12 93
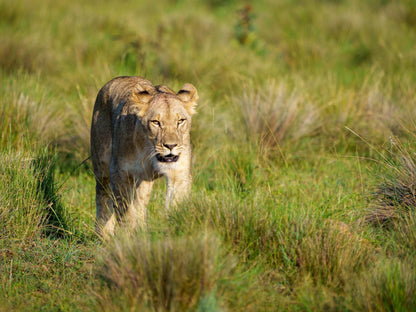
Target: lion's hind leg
178 188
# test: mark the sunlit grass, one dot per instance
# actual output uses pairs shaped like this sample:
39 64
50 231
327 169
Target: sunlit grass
303 156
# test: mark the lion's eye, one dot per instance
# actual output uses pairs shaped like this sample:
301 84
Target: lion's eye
181 121
155 122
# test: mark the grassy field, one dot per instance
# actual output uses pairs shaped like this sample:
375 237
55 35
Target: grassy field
304 194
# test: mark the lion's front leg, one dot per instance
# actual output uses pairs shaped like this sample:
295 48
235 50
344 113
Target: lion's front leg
104 224
123 187
131 199
178 188
138 210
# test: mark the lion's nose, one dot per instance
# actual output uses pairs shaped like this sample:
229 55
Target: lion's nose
170 146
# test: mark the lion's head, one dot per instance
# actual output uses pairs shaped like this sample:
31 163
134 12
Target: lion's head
166 119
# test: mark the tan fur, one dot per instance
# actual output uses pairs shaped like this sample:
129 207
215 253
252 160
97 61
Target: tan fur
137 132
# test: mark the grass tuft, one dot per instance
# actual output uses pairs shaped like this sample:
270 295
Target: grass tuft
28 116
389 286
331 255
20 206
173 274
272 114
397 194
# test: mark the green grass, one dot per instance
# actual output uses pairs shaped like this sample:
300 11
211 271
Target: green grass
304 159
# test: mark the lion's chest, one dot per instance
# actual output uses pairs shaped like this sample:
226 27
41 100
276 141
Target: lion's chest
135 165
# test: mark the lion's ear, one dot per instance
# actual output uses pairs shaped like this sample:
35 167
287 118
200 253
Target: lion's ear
188 96
143 93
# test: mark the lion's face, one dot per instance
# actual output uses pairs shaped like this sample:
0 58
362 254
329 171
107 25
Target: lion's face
167 125
166 121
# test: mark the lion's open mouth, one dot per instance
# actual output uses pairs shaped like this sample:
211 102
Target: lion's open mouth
167 158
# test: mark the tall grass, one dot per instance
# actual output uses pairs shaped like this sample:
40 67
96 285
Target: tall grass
20 206
28 116
44 167
30 203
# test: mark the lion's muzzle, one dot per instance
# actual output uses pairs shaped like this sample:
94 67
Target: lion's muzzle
168 158
169 155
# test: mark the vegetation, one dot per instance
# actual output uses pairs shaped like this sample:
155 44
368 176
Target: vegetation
304 151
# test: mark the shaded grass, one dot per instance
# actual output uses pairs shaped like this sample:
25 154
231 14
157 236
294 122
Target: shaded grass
55 223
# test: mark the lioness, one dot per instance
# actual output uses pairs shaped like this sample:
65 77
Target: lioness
139 132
